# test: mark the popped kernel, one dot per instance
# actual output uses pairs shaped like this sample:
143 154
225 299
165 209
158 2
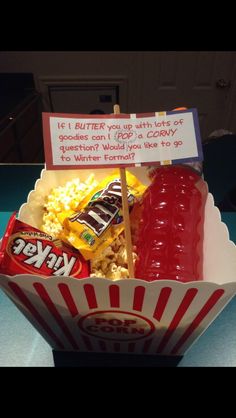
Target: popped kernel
122 255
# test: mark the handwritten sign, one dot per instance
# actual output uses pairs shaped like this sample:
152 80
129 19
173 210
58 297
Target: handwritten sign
85 141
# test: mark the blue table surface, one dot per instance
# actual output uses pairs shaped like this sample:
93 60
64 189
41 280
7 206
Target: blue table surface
22 346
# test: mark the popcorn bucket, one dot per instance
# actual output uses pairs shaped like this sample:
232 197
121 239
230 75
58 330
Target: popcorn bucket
124 316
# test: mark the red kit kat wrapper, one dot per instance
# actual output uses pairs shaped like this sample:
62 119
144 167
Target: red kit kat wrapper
27 250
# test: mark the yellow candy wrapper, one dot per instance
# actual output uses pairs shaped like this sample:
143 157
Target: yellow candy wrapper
98 219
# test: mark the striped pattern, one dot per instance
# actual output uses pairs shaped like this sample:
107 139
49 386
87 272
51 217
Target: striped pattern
179 312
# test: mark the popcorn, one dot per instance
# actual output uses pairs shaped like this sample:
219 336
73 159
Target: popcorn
112 262
122 255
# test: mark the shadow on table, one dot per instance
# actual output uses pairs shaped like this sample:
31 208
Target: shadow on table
76 359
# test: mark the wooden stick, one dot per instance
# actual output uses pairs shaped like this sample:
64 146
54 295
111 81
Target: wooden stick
125 207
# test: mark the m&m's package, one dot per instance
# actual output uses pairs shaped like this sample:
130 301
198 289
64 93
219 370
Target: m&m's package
98 220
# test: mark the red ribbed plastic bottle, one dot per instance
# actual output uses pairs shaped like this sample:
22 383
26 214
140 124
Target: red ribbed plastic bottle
170 237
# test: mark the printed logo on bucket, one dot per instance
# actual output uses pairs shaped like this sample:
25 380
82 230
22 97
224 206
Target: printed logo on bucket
116 325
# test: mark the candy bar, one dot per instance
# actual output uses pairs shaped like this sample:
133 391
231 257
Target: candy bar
26 249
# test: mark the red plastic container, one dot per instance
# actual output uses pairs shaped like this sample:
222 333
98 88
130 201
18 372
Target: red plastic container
170 240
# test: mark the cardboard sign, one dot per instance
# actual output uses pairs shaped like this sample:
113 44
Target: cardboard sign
86 141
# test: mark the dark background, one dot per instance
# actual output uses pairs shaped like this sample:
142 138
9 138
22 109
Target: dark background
140 81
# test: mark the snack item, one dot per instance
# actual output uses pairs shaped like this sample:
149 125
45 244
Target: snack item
64 198
26 249
170 238
98 219
112 262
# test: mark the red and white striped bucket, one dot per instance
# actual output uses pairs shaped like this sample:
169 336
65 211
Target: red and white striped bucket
127 316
